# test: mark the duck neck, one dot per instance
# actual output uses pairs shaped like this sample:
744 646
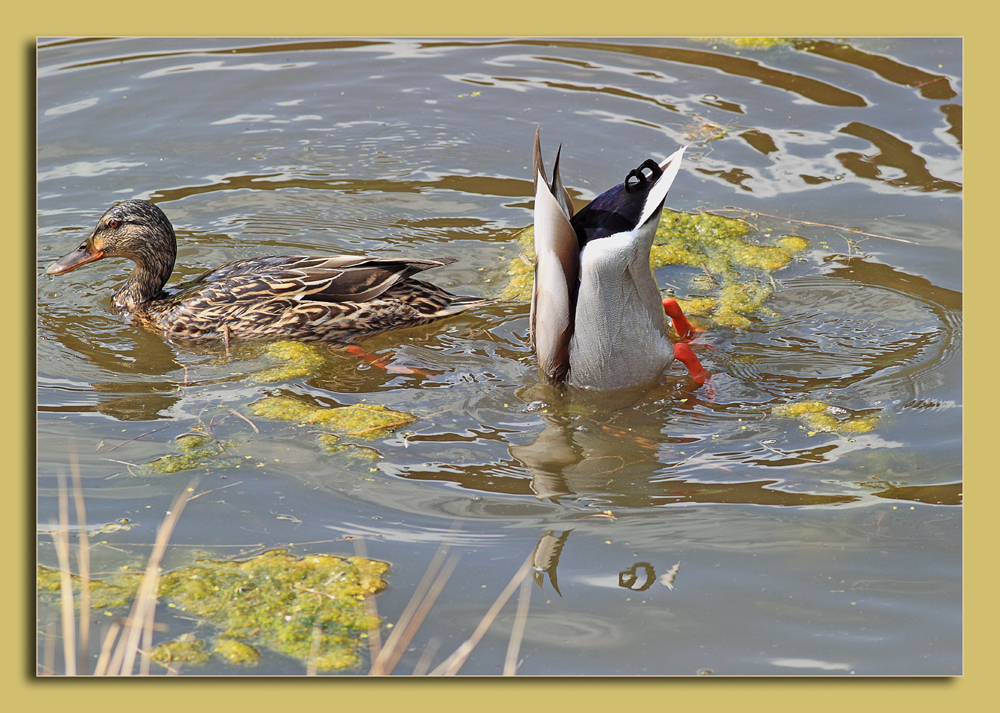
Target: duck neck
152 270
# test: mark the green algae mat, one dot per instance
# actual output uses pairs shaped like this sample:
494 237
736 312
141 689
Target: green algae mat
310 608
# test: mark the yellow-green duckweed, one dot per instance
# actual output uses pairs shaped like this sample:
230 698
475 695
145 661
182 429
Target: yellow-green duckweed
298 360
274 600
277 600
521 270
194 452
236 652
823 417
181 650
333 445
757 43
716 242
116 591
367 420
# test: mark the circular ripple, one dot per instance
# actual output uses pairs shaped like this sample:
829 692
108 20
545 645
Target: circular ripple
886 342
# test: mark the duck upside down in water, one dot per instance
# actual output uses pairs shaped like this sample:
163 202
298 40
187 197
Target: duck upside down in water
597 319
335 298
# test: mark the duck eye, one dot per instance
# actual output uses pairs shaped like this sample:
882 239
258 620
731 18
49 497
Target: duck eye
114 223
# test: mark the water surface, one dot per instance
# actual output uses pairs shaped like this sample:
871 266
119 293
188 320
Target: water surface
788 550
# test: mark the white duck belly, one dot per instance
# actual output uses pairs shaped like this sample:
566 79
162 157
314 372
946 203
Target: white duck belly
620 335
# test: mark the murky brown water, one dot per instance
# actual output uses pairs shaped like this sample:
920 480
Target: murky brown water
799 551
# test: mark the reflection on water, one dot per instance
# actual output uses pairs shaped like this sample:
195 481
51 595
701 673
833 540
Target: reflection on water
680 528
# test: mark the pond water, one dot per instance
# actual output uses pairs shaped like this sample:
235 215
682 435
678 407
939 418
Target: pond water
694 530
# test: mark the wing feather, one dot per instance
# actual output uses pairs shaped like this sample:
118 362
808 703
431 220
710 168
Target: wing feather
557 270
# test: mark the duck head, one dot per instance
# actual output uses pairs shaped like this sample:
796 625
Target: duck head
597 318
133 229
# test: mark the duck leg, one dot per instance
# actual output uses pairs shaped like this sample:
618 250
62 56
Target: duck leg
681 325
383 363
683 354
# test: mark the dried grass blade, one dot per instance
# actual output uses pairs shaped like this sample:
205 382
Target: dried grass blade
810 222
517 634
101 669
453 663
311 668
421 613
374 632
140 619
379 666
83 562
424 663
60 537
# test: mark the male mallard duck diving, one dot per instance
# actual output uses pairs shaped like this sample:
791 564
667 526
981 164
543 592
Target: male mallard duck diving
335 298
597 318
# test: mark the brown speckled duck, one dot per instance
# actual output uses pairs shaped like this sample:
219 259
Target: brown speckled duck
334 298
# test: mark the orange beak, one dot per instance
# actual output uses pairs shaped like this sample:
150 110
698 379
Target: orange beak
81 256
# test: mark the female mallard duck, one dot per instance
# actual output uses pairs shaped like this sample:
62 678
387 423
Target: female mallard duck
597 319
333 298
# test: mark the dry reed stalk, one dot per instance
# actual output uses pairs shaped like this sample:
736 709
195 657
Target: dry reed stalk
48 651
107 648
140 619
453 663
60 537
517 633
424 663
374 631
392 650
83 562
425 606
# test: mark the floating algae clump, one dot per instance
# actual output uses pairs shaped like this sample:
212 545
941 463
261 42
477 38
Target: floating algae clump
819 416
521 270
298 359
333 445
274 600
734 302
184 649
738 270
195 452
757 43
236 652
716 244
281 409
116 591
277 600
368 420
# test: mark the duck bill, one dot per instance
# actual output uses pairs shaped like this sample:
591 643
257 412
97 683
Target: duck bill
654 201
81 256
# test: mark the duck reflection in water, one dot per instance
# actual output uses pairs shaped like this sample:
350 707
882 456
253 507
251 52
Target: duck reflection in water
595 443
545 558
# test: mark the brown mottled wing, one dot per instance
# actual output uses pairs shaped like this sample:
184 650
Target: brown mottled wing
325 279
557 269
308 298
361 281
